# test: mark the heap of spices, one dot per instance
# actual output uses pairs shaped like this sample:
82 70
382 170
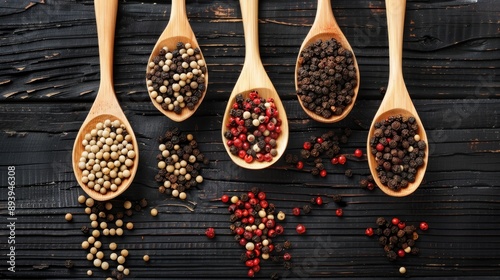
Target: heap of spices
108 156
176 78
398 150
253 128
255 228
179 163
395 236
106 220
318 148
326 78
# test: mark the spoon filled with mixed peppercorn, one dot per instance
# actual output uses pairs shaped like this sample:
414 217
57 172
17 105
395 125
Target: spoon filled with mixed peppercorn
326 72
105 152
176 74
397 143
255 125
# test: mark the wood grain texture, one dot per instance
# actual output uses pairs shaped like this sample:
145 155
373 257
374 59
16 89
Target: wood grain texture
49 76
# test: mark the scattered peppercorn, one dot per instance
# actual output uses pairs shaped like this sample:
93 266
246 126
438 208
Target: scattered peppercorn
339 212
398 150
68 217
326 78
300 228
180 163
210 232
424 226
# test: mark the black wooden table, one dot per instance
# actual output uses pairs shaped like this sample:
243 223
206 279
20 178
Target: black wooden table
49 76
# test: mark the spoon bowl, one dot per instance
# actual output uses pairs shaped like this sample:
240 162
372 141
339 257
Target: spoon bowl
397 100
105 106
253 77
324 28
178 30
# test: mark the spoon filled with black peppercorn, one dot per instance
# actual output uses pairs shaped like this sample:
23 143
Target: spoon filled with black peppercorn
255 125
326 72
105 153
176 74
397 147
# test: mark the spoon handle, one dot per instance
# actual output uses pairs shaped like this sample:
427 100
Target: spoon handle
395 10
105 13
250 17
178 15
324 19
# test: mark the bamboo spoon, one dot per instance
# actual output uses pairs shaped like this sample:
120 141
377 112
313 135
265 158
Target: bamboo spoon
397 100
254 77
325 27
177 30
106 105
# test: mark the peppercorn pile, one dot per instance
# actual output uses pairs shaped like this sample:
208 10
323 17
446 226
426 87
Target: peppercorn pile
315 149
107 220
176 79
255 227
326 78
108 155
398 150
179 163
397 238
253 127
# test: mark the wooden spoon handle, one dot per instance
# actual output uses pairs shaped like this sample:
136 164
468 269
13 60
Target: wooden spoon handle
395 10
105 13
250 17
324 20
178 12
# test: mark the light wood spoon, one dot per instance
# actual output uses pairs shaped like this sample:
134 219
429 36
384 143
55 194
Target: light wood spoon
253 76
177 30
325 27
106 105
397 100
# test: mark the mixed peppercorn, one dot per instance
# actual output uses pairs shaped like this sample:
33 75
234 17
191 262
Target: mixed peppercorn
179 162
326 78
398 150
176 78
253 128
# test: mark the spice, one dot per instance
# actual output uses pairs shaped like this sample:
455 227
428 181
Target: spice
107 157
176 78
398 150
300 228
339 212
179 163
210 232
145 258
326 78
253 128
154 212
424 226
68 217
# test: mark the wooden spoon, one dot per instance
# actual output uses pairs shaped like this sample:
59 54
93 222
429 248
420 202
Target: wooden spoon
254 77
106 105
177 30
397 100
324 28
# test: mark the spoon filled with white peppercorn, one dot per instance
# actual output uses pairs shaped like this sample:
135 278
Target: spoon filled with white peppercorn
255 125
105 153
397 146
326 72
176 74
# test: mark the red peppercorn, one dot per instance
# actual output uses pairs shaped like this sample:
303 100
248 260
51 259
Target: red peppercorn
239 230
300 228
395 221
424 226
256 268
263 204
256 261
323 173
401 253
210 232
279 229
243 242
339 212
248 158
319 200
261 195
249 263
271 233
380 147
287 256
296 211
299 165
251 273
251 220
401 225
224 198
253 201
369 231
342 159
306 145
358 153
319 140
335 160
370 186
270 224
